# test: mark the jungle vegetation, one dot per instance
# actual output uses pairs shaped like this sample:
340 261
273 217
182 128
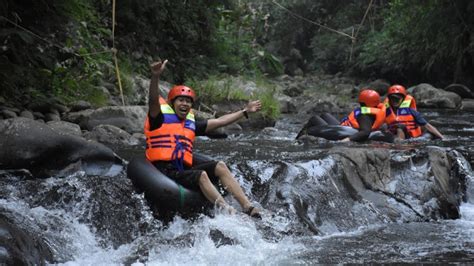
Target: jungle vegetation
65 48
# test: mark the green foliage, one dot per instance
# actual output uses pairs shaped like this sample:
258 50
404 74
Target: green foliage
422 40
217 89
63 56
67 54
235 46
270 106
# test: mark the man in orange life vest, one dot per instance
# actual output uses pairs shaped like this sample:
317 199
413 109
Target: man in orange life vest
367 118
402 118
170 129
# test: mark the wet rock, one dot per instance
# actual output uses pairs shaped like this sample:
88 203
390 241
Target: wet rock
35 146
349 187
18 247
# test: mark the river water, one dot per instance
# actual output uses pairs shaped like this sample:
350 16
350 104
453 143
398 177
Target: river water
63 212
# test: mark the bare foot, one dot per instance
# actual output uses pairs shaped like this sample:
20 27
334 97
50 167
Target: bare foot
253 212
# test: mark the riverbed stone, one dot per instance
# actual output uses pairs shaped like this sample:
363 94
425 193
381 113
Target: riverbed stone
428 96
32 145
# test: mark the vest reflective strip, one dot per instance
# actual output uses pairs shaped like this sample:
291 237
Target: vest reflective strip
351 119
405 104
408 101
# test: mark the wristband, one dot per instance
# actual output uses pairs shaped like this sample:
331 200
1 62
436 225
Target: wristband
246 114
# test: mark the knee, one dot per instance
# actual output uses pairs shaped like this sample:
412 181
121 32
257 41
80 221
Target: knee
221 167
204 179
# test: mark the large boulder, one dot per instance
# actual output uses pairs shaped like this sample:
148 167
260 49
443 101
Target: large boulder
20 248
346 188
379 85
28 144
460 90
428 96
111 136
128 118
468 105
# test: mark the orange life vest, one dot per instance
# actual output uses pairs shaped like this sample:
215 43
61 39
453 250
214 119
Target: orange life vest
408 101
402 116
378 112
173 141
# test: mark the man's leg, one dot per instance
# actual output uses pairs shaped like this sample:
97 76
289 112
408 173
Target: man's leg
231 185
211 193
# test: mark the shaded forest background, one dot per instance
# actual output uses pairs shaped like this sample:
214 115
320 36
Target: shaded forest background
63 48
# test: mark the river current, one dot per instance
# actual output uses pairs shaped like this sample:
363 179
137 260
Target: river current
62 212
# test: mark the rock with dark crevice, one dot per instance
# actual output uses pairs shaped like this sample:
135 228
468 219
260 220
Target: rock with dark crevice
32 145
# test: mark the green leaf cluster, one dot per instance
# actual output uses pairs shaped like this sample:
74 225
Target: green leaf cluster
422 40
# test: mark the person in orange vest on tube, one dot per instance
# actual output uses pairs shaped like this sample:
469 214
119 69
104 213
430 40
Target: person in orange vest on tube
170 130
402 117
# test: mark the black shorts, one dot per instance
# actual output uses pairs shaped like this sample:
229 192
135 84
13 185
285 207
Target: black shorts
189 178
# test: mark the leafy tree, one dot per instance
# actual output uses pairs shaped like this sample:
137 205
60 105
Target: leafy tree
428 40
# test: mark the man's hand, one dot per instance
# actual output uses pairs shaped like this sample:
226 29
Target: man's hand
158 67
253 106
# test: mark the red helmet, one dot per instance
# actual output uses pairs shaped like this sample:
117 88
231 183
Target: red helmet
369 97
181 91
397 89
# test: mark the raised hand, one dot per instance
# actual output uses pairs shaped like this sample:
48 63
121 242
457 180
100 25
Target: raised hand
158 67
254 106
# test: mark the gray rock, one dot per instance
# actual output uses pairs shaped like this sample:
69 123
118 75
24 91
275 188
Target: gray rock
379 85
8 114
467 105
293 90
38 115
35 146
287 104
460 90
81 118
52 117
27 114
64 127
431 97
80 105
111 136
128 118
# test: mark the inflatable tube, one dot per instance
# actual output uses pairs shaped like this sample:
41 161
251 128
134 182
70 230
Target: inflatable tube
328 127
161 190
337 132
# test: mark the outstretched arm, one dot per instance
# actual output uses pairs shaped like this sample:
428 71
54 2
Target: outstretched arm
252 107
434 131
154 92
365 127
